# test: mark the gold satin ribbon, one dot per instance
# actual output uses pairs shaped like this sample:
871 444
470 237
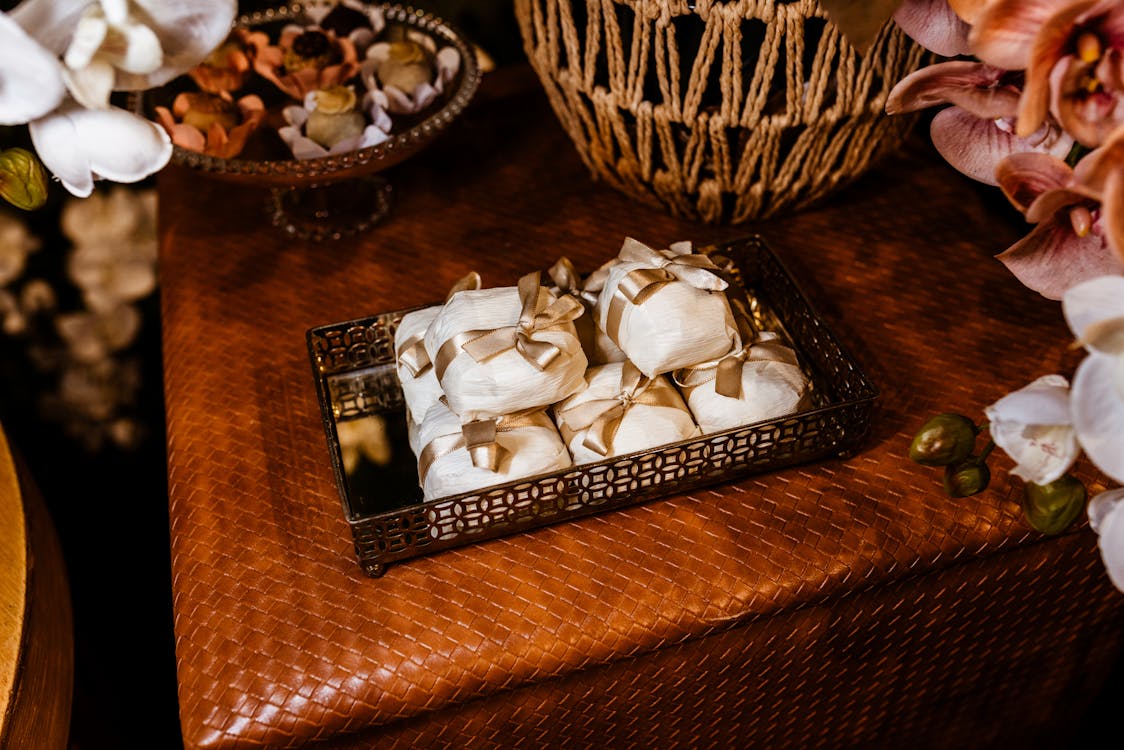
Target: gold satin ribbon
412 354
482 345
727 372
662 268
479 439
601 418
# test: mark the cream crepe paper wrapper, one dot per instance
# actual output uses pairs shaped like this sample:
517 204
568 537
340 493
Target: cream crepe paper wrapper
622 411
599 348
759 382
666 309
420 388
460 458
505 350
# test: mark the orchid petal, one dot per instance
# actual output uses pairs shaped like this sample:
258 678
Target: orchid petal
1112 209
969 10
1025 177
1051 259
92 85
1111 538
31 82
1004 31
1092 302
50 22
143 51
1032 425
976 146
933 25
89 35
79 145
1101 505
970 85
187 32
1098 413
1050 44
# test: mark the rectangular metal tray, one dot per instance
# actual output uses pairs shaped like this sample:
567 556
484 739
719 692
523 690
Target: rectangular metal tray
353 367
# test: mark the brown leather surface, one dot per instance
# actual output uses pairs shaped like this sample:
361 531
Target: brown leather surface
779 593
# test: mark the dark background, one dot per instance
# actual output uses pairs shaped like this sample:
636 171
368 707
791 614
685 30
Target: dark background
109 504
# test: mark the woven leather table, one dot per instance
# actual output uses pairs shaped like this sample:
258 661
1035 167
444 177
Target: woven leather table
847 603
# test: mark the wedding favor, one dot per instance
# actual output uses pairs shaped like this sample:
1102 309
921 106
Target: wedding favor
458 457
505 350
622 411
760 381
666 309
420 388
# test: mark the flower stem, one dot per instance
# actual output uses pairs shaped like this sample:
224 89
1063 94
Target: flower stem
987 450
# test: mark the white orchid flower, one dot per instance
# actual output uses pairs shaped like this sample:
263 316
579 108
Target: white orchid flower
60 59
1033 425
1106 518
1094 311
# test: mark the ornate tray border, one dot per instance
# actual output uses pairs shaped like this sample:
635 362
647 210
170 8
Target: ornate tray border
363 349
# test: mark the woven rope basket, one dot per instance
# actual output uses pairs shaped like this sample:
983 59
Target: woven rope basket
720 112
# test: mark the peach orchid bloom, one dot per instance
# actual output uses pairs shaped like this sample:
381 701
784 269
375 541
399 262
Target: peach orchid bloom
1074 237
306 59
1071 51
212 124
977 132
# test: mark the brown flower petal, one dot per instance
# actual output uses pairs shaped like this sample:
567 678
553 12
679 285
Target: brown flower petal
1052 258
1004 30
1026 176
1050 46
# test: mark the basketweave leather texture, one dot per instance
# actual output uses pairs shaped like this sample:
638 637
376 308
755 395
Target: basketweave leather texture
845 603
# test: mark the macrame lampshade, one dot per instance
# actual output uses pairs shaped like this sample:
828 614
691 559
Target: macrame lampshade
717 111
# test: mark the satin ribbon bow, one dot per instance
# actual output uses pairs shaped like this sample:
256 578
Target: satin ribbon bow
482 345
411 353
727 372
479 439
674 264
601 418
566 278
663 267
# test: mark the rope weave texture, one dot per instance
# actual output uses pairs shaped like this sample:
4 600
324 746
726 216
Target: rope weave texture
720 112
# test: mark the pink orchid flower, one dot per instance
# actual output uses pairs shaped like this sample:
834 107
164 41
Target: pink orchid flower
1074 237
978 131
1073 55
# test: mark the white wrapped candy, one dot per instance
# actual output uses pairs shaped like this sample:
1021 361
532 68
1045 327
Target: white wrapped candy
622 411
460 458
666 309
501 351
420 388
759 382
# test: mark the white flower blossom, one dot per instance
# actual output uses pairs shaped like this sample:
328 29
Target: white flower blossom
1033 425
60 59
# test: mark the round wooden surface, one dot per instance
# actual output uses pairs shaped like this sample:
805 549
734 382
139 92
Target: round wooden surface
13 578
36 631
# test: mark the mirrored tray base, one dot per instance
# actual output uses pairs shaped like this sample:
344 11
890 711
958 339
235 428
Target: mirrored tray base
354 372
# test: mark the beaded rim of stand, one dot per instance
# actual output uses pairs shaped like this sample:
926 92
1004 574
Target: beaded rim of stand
721 112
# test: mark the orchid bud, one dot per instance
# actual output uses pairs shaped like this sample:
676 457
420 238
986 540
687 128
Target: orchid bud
23 183
1051 508
967 477
944 439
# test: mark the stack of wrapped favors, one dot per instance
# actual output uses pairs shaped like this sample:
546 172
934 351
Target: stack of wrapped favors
506 383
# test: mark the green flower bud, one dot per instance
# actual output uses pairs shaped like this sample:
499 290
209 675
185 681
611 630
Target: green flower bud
945 439
23 183
1051 508
967 477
